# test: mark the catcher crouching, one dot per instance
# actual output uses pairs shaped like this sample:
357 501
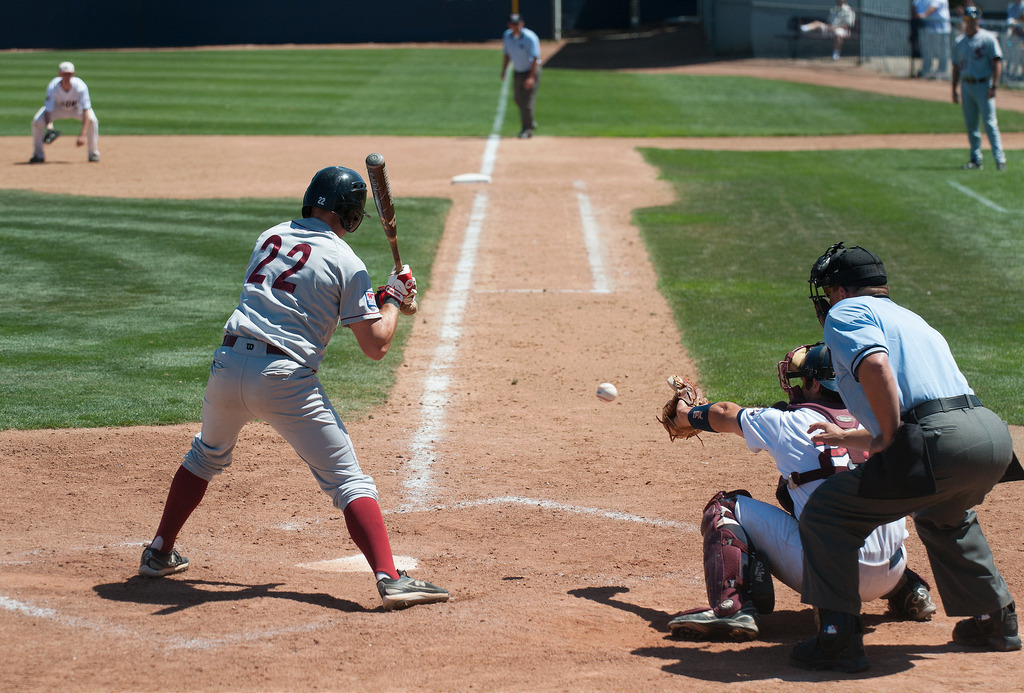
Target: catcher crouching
747 541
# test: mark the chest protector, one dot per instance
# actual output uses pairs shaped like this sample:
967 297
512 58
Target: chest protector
826 458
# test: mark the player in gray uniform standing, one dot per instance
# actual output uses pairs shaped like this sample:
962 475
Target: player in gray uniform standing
936 452
977 68
302 282
521 47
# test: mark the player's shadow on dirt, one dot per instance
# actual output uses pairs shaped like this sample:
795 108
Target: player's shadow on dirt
178 595
765 658
756 662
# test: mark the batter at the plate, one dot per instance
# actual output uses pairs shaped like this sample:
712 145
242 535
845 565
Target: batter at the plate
302 281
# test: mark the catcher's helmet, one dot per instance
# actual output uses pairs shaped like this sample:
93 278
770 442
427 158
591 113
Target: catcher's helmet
808 361
340 190
841 266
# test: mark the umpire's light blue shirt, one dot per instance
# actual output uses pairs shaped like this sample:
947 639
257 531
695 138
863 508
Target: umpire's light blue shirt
920 358
521 50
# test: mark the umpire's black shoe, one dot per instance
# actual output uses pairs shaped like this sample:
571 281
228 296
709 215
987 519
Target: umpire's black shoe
995 631
838 646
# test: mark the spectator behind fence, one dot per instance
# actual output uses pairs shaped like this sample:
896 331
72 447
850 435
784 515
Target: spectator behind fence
1014 40
839 26
933 37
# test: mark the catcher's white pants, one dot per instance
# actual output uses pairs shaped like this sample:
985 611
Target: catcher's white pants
775 535
245 384
92 130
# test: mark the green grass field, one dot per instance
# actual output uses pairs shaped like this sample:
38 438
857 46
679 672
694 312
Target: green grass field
450 92
111 320
115 317
734 253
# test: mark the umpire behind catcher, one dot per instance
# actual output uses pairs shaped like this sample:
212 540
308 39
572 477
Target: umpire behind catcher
937 451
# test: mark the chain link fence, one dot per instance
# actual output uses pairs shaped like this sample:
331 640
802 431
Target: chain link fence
885 37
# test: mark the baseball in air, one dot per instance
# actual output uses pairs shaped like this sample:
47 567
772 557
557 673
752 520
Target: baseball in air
607 392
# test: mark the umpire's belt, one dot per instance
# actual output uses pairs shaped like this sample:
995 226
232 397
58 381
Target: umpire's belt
976 80
230 339
934 406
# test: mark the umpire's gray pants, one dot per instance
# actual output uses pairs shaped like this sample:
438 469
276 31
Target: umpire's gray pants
526 99
970 450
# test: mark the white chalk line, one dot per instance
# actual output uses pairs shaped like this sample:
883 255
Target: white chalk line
423 450
592 239
436 386
980 198
168 644
548 505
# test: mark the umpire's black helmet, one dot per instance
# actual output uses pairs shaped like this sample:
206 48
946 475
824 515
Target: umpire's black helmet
841 266
340 190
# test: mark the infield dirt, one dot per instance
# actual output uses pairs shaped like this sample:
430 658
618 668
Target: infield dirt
565 527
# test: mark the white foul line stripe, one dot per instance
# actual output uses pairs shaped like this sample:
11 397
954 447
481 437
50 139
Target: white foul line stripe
592 239
551 505
436 387
168 644
983 200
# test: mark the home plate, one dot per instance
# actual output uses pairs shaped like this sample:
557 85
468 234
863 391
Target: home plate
356 564
471 178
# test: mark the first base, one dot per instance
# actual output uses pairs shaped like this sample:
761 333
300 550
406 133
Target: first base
471 178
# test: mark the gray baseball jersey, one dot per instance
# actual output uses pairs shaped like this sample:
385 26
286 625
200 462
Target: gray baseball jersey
301 283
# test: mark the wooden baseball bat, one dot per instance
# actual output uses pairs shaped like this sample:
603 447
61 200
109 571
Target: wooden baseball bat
377 172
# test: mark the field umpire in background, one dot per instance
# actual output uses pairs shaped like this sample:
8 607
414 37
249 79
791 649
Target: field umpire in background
936 452
521 47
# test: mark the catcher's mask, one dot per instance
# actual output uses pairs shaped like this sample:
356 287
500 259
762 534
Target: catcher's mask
340 190
808 361
841 266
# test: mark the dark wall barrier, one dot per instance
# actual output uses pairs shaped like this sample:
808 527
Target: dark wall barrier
137 24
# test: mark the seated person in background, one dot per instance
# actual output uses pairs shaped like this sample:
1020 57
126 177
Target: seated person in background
841 19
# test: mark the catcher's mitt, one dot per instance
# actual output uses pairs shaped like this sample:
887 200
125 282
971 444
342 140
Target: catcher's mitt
690 395
50 135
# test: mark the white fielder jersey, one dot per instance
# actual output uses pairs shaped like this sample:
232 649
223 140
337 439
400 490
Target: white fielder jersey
783 434
302 281
67 104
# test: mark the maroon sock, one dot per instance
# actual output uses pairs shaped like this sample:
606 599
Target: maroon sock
366 527
187 490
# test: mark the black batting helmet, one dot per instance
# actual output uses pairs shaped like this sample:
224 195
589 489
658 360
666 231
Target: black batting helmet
340 190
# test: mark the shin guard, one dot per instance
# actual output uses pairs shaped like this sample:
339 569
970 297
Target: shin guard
734 576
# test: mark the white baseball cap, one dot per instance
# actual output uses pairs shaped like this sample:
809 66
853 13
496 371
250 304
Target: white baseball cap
66 67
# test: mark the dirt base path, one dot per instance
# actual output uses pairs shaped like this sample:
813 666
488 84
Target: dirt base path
565 527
